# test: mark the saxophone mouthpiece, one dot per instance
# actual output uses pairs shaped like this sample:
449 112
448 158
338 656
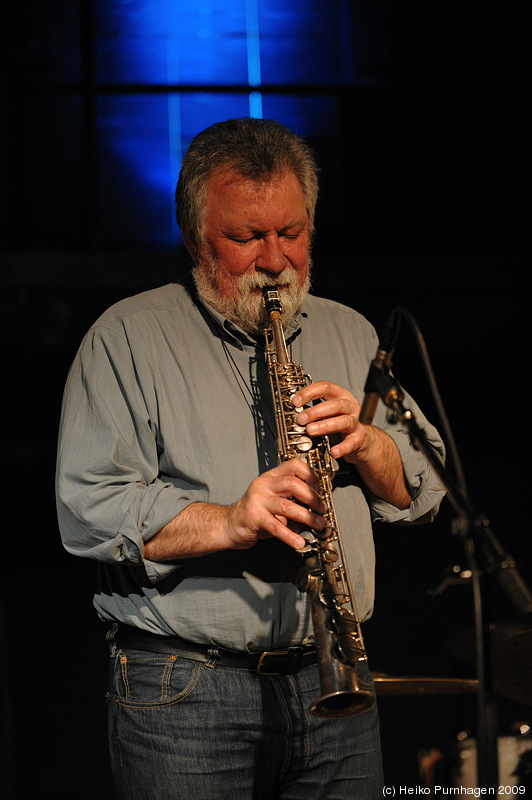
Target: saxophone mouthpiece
272 301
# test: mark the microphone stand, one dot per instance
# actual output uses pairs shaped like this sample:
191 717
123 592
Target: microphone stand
477 536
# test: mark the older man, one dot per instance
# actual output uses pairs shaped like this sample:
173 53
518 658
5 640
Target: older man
168 475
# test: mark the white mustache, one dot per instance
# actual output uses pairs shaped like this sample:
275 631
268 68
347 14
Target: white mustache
285 279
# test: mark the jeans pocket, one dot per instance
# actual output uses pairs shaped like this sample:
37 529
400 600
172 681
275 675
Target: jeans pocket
144 679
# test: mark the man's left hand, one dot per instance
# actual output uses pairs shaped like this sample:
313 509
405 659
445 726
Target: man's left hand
335 416
374 454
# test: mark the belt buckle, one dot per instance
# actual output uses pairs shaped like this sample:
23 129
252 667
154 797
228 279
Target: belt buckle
262 668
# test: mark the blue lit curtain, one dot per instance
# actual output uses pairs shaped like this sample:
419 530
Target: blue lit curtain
164 70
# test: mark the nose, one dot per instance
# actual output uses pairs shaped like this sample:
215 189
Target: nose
270 257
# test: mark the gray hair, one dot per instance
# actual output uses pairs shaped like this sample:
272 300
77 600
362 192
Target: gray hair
257 149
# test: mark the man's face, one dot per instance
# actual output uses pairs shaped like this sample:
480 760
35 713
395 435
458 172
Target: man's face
256 233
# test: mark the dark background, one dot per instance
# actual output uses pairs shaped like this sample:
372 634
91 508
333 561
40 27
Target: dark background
422 205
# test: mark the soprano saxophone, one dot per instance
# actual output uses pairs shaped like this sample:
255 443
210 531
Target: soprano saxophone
324 576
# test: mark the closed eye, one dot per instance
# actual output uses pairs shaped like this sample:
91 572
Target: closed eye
290 232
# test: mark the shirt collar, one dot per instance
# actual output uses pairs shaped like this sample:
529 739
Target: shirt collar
241 337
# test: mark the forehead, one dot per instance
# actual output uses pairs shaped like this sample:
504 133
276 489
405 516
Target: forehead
230 195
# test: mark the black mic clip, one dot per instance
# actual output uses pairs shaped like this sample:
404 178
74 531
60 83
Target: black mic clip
380 385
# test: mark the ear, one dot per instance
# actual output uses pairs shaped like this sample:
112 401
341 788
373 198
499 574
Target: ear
190 241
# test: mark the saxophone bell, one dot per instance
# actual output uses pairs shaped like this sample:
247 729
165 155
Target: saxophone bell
338 642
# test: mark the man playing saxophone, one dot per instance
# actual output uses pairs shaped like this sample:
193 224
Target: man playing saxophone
168 477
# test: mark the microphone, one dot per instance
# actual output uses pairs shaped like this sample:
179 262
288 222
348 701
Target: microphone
379 367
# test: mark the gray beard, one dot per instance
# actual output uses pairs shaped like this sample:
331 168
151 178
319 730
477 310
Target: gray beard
247 309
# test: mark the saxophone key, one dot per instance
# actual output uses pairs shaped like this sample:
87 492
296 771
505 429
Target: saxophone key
302 443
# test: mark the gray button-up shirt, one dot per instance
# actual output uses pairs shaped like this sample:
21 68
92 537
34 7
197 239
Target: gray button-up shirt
168 403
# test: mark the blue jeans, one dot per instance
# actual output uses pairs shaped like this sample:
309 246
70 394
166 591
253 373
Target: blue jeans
188 730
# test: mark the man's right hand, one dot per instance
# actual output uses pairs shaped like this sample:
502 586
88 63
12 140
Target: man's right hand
279 500
283 495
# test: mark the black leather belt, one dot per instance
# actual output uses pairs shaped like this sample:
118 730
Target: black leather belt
269 662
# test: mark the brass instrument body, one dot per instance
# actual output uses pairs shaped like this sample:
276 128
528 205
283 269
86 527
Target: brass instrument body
324 576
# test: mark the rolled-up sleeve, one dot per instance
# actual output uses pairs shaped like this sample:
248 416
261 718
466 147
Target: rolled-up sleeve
424 485
110 496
